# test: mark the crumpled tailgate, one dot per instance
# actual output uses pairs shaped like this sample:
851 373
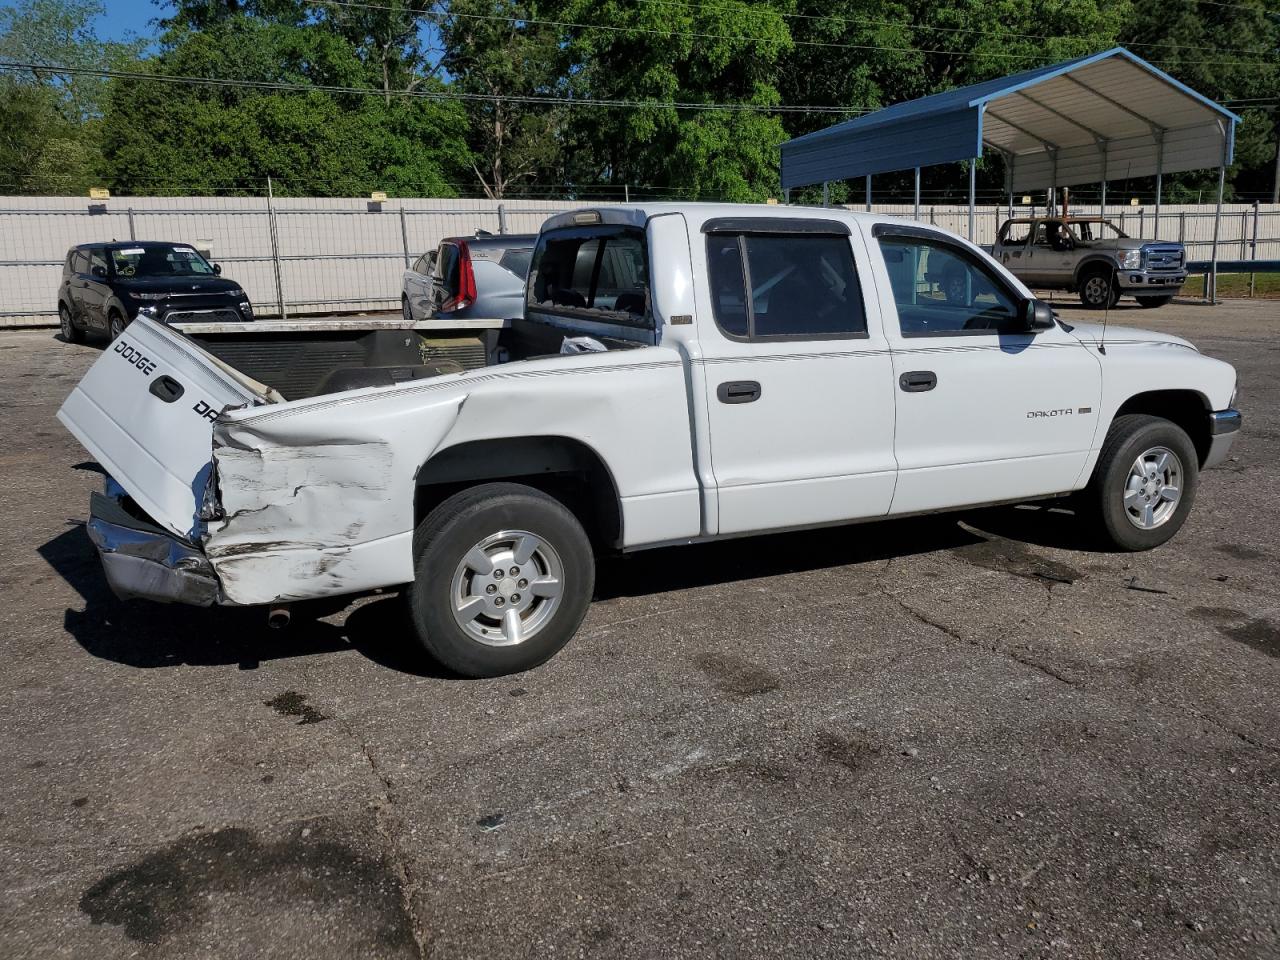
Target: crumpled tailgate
145 411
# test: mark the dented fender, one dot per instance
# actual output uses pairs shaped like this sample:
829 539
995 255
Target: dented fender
298 505
317 495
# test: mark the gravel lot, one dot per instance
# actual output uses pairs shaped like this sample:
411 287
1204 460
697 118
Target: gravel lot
950 737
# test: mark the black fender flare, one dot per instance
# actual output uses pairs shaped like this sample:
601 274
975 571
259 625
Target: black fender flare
1091 263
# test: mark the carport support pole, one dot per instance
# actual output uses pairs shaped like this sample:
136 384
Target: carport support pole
868 193
1159 182
973 193
917 213
1217 222
826 194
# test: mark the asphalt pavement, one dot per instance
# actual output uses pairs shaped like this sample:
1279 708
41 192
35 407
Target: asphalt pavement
958 736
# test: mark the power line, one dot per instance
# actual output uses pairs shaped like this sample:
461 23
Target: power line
441 95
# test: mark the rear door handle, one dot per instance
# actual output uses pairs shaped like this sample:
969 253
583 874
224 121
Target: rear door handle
738 391
918 381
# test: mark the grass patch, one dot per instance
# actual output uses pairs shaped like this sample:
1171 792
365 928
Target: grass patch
1266 285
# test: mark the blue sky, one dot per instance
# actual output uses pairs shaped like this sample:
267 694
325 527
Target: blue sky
125 17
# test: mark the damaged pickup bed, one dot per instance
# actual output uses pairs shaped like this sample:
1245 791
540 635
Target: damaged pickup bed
679 374
225 491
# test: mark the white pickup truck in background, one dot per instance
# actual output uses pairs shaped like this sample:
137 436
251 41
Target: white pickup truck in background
758 369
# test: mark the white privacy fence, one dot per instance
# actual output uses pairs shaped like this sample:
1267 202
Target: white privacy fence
322 256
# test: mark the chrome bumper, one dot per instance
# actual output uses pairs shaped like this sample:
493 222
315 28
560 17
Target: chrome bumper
1141 281
1223 427
142 560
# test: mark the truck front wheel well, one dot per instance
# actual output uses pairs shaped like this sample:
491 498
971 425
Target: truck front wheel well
1188 409
561 467
1089 267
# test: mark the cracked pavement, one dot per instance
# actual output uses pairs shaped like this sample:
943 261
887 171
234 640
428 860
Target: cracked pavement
950 736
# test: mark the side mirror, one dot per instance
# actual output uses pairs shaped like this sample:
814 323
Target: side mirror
1038 316
217 268
100 271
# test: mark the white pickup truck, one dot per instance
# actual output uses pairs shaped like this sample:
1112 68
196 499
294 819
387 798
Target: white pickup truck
680 374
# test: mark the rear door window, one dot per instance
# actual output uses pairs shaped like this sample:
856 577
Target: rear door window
517 261
785 286
1016 234
600 272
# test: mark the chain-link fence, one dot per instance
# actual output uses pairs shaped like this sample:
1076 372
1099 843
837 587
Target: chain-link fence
309 257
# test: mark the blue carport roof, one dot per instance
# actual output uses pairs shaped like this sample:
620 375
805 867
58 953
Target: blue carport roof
1102 116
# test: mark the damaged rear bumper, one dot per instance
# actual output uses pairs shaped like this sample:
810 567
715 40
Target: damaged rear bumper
140 559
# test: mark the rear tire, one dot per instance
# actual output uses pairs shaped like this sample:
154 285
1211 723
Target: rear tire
469 610
1144 484
406 309
70 332
1152 302
1098 290
115 325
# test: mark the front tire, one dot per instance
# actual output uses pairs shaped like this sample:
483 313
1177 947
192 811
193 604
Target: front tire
503 575
406 309
67 327
1145 482
1098 290
1152 302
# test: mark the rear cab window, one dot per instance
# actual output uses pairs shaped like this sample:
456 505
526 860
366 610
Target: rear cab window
769 283
598 272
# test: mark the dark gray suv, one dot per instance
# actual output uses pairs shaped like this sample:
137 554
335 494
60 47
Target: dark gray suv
105 285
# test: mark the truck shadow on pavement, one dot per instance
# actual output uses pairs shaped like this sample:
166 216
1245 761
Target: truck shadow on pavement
147 635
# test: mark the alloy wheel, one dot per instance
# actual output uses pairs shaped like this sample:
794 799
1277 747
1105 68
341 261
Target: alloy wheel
507 588
1153 488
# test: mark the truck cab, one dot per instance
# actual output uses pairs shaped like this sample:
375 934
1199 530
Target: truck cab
1093 257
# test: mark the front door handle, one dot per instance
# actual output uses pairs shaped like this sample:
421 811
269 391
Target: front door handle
738 391
918 381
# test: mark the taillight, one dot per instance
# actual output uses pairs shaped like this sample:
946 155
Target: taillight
466 294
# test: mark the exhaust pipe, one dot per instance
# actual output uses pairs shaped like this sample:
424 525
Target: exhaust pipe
278 616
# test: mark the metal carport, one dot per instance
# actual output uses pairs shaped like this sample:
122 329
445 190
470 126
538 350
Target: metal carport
1107 116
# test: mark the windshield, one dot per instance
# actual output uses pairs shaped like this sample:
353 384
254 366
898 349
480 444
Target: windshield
160 261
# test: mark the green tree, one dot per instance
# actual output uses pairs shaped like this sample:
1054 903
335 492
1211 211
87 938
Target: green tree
50 121
1229 53
494 52
672 51
181 138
